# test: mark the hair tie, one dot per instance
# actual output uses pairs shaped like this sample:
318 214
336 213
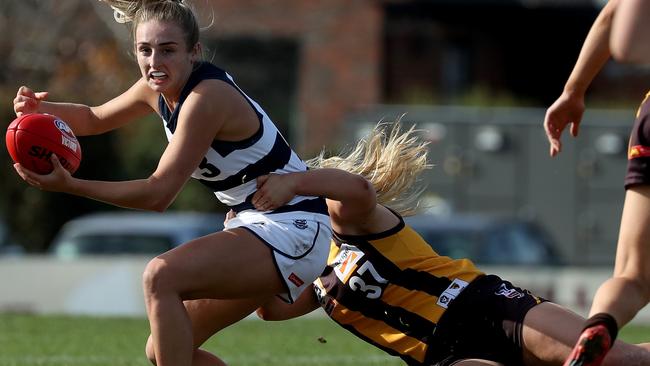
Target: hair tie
119 15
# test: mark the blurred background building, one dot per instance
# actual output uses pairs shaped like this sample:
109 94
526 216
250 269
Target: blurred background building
476 76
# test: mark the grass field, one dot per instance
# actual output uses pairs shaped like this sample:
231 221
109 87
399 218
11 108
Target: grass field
27 340
58 340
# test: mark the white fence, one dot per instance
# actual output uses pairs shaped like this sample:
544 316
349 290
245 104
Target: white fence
112 286
94 286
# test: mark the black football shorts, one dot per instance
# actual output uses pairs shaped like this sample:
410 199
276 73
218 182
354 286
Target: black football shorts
485 322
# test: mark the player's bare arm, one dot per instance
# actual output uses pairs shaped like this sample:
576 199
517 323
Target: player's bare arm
199 122
568 109
276 309
84 120
336 185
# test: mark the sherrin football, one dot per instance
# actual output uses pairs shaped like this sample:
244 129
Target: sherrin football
33 138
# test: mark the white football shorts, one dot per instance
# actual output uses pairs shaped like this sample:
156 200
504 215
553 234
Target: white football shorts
300 242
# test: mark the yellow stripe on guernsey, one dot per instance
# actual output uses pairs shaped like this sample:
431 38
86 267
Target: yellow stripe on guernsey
391 289
408 250
381 334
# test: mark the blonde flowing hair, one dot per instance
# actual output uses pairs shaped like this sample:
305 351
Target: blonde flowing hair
392 160
140 11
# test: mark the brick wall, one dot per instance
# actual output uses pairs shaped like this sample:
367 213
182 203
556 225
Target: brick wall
340 52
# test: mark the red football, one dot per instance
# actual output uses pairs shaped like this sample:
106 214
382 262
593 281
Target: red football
32 138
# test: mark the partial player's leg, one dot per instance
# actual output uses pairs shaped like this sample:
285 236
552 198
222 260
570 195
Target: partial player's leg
550 331
619 298
233 264
208 317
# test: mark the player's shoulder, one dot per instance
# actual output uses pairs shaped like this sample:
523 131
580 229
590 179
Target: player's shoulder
214 85
207 79
216 95
206 71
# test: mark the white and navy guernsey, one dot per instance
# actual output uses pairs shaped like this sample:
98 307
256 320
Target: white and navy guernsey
229 168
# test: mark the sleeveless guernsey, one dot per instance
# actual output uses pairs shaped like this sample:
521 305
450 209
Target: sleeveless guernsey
229 168
391 289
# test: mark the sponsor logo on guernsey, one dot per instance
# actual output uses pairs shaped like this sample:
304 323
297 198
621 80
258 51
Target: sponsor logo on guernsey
510 293
346 261
638 151
451 292
444 300
296 280
319 290
325 301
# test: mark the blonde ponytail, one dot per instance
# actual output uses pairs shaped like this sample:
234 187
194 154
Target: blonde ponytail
391 160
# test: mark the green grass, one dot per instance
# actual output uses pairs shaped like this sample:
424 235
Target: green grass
59 340
635 334
27 340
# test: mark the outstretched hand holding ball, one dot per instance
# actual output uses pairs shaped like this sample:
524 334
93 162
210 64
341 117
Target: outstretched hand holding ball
33 138
40 143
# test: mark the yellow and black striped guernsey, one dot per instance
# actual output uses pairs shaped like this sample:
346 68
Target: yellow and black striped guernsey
391 288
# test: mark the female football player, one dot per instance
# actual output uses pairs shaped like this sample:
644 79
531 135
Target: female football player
619 298
386 285
220 136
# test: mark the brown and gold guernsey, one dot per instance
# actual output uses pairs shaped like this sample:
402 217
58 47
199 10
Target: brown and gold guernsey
638 164
391 288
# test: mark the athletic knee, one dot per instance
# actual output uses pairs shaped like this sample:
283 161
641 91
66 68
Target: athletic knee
156 276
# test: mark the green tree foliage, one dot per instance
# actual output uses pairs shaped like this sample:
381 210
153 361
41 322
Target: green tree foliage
79 56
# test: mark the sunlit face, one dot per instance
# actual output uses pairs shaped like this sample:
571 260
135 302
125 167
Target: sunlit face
163 57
